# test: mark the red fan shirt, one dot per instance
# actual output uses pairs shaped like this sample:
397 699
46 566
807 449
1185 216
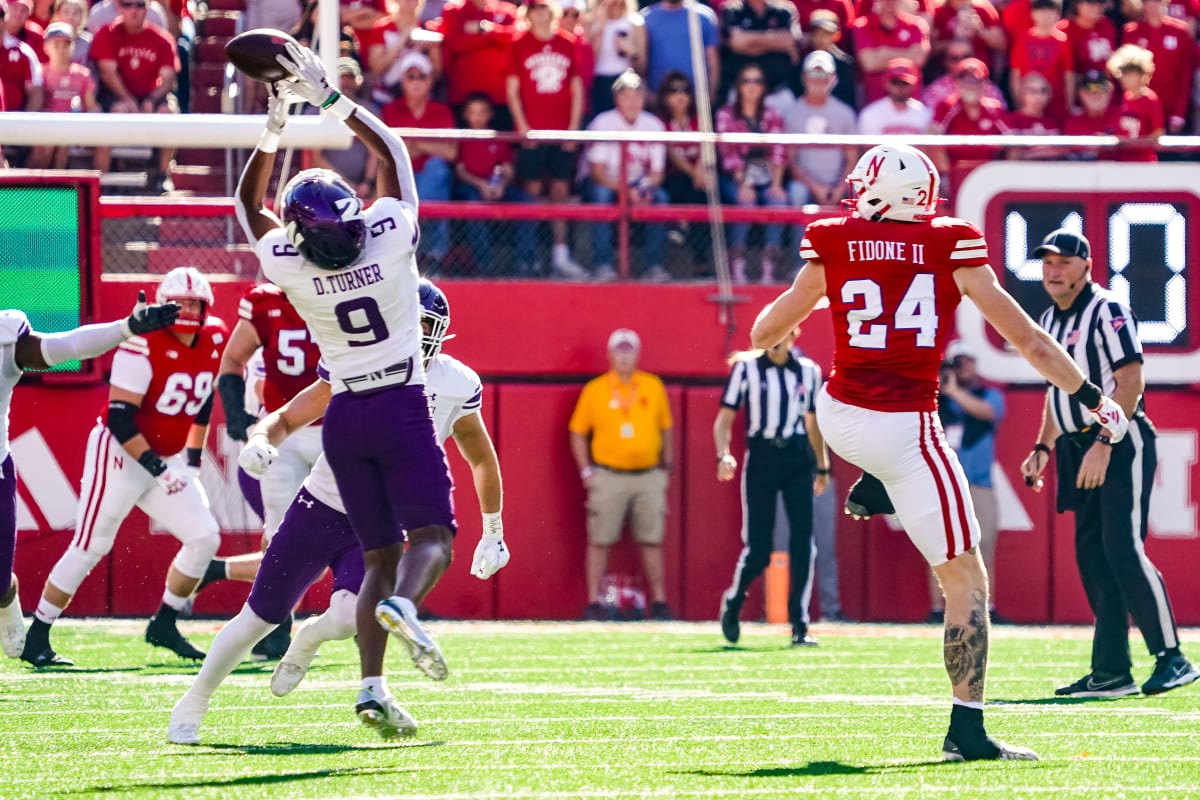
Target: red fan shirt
396 114
139 56
1090 47
480 157
1138 117
1171 44
892 297
476 60
869 33
544 70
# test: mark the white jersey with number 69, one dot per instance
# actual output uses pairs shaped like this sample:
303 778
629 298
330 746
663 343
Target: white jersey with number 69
364 317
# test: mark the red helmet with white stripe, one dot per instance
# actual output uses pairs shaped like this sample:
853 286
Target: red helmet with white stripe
186 283
896 182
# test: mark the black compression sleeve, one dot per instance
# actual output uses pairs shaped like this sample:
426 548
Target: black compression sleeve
232 388
205 412
120 420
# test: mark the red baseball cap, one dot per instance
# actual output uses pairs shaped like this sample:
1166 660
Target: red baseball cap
972 67
902 69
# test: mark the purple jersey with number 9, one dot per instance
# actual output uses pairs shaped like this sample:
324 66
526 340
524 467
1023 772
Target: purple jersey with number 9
364 317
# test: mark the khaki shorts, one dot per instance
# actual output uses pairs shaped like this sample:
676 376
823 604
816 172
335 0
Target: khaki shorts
642 496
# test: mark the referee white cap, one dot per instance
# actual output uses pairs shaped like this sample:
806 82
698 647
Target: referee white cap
1064 243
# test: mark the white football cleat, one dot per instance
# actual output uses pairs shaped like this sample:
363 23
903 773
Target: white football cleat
384 715
12 628
292 668
398 616
184 727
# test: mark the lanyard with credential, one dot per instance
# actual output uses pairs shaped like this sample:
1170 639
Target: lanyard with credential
619 401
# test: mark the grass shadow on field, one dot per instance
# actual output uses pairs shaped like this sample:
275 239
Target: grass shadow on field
1052 701
82 670
305 748
735 648
821 768
241 781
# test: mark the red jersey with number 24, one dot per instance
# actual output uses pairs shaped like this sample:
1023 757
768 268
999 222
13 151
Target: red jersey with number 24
175 381
892 295
290 355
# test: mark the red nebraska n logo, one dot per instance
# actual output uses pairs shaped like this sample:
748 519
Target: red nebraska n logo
873 168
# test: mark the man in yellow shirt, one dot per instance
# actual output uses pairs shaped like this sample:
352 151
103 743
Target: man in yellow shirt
621 439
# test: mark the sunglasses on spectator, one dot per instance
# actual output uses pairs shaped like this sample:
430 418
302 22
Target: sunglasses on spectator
570 12
416 76
954 58
132 5
752 81
899 82
678 88
1038 89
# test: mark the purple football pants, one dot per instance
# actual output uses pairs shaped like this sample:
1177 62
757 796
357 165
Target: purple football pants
311 537
389 468
8 523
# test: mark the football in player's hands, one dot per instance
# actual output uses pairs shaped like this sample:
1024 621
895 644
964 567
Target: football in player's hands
145 318
254 53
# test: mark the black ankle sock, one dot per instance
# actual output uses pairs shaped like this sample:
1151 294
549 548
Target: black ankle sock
967 731
38 630
166 615
216 571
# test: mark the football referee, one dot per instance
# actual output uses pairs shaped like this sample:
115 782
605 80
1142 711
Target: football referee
1107 485
778 390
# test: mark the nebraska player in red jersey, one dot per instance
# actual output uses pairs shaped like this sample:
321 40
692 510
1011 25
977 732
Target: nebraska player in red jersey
894 275
159 401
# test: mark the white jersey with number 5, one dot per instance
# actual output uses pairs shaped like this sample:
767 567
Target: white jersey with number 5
454 390
13 325
364 317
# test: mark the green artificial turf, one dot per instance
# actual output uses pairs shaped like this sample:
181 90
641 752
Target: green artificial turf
596 710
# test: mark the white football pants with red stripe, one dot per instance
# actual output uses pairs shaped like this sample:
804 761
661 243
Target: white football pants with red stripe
907 451
113 483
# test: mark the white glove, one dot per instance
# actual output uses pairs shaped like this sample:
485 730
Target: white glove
308 81
279 106
1111 417
172 482
491 554
257 456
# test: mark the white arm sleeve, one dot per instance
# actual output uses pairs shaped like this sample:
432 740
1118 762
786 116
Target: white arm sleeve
131 372
87 341
399 152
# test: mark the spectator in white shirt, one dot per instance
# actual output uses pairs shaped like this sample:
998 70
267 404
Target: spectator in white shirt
643 177
899 112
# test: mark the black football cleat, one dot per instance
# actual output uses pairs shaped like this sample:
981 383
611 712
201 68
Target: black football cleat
802 638
1096 685
165 634
273 646
731 626
988 749
1170 672
868 497
45 657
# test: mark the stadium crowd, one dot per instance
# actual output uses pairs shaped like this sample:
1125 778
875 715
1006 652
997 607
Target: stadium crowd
878 67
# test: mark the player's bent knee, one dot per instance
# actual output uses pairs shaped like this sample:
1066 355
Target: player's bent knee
192 559
73 567
435 539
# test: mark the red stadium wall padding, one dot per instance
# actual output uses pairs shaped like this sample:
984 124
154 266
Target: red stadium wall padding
545 519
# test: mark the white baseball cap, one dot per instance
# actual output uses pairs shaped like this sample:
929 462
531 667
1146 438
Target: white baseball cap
960 348
624 336
819 61
418 61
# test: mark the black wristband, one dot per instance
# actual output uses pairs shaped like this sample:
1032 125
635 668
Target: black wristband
153 464
1089 395
1103 438
1041 448
823 471
194 454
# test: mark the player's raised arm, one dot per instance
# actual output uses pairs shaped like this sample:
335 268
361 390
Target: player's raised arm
257 220
1038 347
471 436
395 177
44 350
785 312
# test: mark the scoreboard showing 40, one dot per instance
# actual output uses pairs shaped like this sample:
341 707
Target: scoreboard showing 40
1137 217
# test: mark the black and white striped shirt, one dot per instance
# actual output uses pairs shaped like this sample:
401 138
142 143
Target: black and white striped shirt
776 397
1100 333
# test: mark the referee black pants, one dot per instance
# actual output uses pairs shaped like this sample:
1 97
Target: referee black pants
1110 531
770 470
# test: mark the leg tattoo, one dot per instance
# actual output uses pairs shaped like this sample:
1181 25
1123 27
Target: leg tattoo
966 649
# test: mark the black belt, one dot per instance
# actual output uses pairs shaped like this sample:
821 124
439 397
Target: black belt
626 471
779 443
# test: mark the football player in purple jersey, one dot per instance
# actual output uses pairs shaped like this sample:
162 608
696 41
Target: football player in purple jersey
352 276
